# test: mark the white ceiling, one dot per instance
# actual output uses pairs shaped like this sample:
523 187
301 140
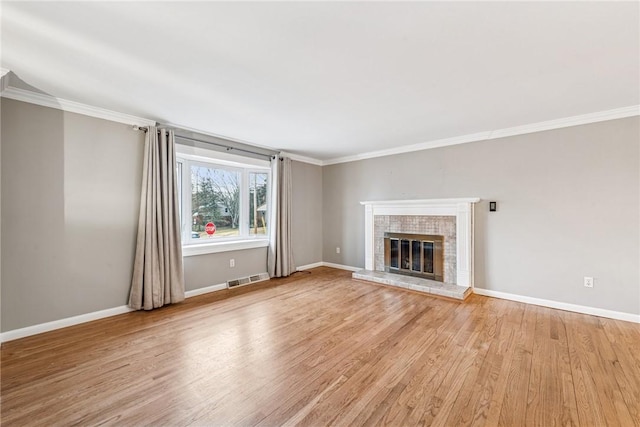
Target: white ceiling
331 79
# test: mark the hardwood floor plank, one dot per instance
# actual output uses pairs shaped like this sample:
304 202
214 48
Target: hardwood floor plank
541 404
442 388
398 350
433 359
491 384
322 349
408 388
596 399
514 406
339 360
563 380
465 408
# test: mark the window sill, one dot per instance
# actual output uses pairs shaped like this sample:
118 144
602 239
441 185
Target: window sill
212 248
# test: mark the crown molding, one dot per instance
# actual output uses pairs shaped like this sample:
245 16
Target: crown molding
601 116
584 119
73 107
304 159
45 100
481 136
4 79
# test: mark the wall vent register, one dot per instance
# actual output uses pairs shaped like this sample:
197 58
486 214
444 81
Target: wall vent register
247 280
419 255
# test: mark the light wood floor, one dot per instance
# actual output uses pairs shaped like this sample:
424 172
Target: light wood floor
319 349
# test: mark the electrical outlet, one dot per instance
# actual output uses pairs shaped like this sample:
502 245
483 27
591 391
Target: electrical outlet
338 249
232 263
588 282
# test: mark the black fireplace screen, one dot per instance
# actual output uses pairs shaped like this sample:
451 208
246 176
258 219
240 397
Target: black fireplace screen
418 255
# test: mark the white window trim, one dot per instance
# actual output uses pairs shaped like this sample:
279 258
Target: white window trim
212 248
191 155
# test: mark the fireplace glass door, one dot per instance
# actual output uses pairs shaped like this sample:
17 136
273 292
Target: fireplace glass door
418 255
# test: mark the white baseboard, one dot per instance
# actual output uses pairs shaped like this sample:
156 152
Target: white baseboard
88 317
206 290
310 266
341 267
328 264
62 323
617 315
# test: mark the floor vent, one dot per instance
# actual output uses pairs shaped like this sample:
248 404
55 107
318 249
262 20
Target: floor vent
247 280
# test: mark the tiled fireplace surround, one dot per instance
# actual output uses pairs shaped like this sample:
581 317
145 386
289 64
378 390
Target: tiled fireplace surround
451 218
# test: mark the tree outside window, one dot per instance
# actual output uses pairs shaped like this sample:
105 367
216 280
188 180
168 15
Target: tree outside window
215 197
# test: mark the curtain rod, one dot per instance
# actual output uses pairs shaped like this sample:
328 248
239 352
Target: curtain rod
228 147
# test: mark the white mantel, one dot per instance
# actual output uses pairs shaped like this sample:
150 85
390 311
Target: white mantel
461 208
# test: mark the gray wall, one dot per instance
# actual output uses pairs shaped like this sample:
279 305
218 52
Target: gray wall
306 213
568 207
68 221
201 271
70 200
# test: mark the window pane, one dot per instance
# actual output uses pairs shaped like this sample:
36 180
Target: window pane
179 188
258 203
215 199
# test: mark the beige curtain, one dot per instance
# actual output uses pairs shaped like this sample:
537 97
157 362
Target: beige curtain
280 255
158 277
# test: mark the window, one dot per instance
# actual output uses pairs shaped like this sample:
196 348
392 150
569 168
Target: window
223 204
215 199
258 203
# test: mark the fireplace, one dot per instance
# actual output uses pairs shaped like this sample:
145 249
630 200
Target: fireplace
401 220
419 255
410 214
